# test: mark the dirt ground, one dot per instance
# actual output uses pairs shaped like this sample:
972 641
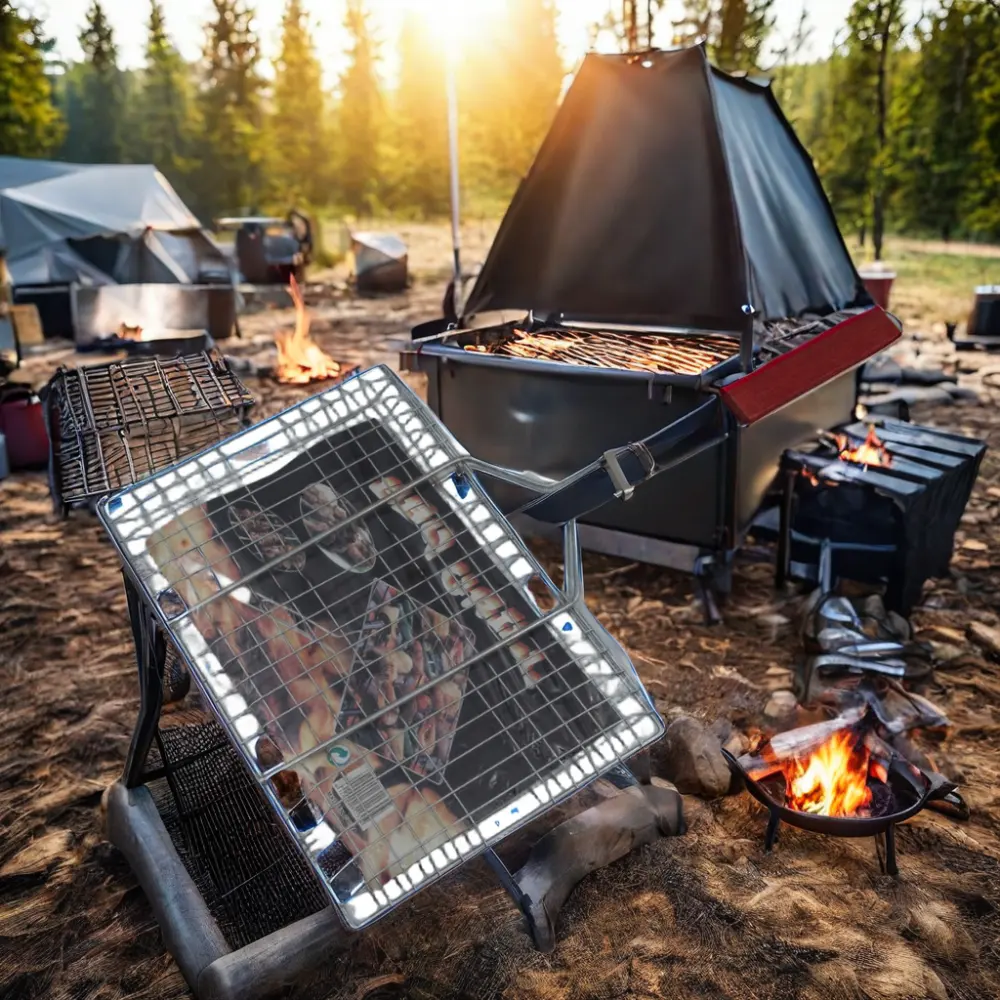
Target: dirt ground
706 915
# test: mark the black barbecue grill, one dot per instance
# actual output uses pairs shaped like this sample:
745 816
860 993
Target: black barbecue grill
623 292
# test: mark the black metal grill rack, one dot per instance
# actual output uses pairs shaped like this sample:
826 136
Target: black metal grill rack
222 827
112 425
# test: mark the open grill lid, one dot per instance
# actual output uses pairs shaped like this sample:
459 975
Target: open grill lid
670 194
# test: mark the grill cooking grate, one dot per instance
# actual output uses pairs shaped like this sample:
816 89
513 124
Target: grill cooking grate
405 684
225 832
112 425
680 355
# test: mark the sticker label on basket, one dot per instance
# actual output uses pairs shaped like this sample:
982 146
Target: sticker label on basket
363 794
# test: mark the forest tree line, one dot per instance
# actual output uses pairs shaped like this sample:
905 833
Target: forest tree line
902 120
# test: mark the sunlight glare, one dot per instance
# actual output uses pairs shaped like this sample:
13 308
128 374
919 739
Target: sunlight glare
451 21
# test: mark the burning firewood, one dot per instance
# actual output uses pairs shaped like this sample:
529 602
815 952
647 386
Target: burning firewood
300 359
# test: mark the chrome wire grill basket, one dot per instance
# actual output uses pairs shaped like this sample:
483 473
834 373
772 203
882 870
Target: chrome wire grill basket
112 425
404 682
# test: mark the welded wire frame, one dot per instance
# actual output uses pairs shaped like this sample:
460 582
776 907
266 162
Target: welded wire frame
397 670
685 354
112 425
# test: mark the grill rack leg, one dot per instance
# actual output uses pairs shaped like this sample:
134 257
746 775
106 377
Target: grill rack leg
787 509
705 571
150 687
771 836
590 840
889 866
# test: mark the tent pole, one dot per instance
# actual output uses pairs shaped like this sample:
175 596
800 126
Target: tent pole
456 239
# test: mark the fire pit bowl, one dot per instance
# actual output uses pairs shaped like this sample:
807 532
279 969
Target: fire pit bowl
912 791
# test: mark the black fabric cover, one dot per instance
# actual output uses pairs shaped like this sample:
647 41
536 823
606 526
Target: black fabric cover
798 261
633 208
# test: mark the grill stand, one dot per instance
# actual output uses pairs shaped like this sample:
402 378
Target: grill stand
887 863
712 570
638 814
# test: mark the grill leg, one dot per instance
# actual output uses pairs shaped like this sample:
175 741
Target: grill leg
771 837
785 528
704 579
150 689
890 867
590 840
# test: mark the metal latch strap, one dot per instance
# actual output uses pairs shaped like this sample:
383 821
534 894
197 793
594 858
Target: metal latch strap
624 487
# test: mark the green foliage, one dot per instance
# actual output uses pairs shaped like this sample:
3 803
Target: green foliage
980 197
229 101
30 124
417 168
361 115
298 139
852 145
96 126
510 84
734 31
162 120
904 126
624 17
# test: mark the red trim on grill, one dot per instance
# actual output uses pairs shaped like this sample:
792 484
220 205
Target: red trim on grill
810 365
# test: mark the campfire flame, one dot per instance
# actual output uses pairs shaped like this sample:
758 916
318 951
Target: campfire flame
832 781
300 359
871 452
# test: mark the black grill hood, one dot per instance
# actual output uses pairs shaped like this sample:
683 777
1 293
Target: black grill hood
668 193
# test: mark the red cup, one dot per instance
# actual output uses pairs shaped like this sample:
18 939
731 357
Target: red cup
23 425
878 285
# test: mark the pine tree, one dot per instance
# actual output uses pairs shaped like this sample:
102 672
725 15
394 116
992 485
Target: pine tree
30 124
981 201
360 114
419 127
934 123
734 31
102 93
511 85
162 114
630 22
854 147
298 144
230 108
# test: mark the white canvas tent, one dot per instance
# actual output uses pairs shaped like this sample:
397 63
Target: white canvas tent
64 223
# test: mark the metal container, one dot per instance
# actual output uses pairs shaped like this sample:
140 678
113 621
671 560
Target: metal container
984 320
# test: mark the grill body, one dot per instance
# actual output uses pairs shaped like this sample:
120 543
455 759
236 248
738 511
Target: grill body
552 418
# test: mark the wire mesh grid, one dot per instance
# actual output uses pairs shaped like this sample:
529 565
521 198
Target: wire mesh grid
226 834
112 425
682 354
401 676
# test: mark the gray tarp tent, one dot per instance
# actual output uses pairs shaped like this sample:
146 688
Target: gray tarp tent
671 193
62 223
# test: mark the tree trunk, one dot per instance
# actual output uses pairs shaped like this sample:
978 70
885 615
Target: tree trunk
887 17
631 12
